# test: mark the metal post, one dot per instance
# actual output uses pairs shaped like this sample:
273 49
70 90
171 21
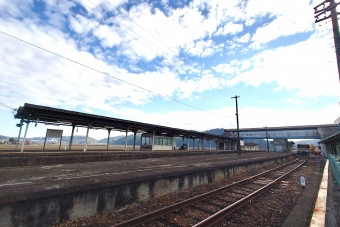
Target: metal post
188 143
126 132
238 130
134 140
108 138
45 140
267 140
209 144
87 135
23 142
336 34
217 145
71 139
172 142
203 144
21 123
153 140
61 138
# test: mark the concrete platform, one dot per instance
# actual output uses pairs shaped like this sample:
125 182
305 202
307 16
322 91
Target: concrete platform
43 195
38 157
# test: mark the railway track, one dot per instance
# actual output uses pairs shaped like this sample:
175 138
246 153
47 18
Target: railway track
211 207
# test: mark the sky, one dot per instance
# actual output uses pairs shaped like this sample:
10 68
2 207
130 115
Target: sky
174 63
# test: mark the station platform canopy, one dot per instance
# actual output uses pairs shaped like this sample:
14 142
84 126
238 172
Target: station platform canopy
53 116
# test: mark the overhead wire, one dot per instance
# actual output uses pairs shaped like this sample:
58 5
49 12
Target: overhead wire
130 29
86 6
165 54
107 74
9 107
140 26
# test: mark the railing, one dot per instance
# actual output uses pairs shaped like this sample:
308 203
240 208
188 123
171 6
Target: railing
335 166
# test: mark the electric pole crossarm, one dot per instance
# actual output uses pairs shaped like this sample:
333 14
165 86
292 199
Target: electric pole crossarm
334 16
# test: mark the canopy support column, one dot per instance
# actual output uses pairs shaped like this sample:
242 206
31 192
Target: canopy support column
188 143
153 140
23 142
134 140
87 136
209 144
108 138
21 123
71 139
126 132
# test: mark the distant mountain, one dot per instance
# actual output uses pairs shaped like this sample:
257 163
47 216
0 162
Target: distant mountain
3 137
79 140
215 131
112 139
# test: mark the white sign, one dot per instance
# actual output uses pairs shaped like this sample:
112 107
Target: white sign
54 133
303 181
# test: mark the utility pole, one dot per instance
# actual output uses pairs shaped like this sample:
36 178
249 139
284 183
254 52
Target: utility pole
320 11
238 131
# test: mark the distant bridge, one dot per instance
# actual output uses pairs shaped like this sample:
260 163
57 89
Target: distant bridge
285 132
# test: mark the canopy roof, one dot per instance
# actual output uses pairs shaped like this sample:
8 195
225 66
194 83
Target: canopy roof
54 116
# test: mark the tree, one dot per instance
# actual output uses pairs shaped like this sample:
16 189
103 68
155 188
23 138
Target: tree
12 140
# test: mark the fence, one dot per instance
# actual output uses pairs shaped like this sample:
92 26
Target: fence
335 166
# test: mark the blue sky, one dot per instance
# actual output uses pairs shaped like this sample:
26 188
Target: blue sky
201 53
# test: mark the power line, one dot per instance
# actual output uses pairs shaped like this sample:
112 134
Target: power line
107 74
140 26
128 29
9 107
165 55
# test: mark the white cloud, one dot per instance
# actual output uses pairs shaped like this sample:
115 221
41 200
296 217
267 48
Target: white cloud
109 36
229 28
295 101
290 17
32 75
81 24
243 39
299 66
203 48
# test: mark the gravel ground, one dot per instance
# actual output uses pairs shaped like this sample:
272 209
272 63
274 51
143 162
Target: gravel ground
277 203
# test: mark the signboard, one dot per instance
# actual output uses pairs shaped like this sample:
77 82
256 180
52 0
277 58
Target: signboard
54 133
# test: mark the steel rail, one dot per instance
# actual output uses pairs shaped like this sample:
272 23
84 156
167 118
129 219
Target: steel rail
213 219
168 209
